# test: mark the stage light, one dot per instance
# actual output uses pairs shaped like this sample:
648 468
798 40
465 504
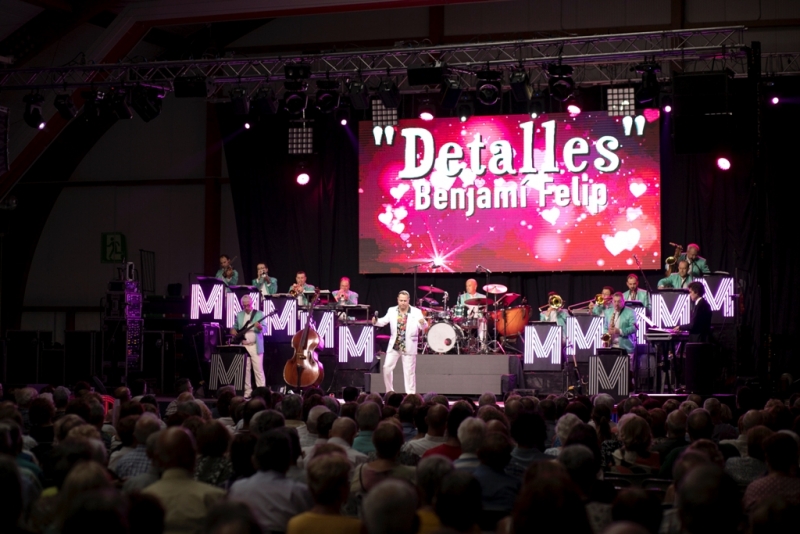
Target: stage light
359 95
520 86
342 114
328 96
450 93
93 104
247 126
343 122
775 100
425 109
560 81
65 106
295 98
647 94
297 71
265 102
465 108
33 110
240 101
389 94
574 109
119 106
723 163
146 102
303 178
489 87
537 105
667 108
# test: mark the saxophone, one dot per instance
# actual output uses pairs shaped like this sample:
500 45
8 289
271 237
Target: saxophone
606 338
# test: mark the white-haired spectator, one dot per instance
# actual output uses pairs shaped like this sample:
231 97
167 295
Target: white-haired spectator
471 433
722 430
745 469
60 399
390 508
635 455
487 398
751 419
564 426
23 398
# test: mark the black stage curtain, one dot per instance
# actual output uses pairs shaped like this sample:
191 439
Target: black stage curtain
315 227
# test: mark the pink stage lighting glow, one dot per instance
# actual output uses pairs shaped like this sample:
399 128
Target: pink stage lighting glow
426 116
573 109
247 126
41 125
723 163
343 122
302 178
775 100
667 108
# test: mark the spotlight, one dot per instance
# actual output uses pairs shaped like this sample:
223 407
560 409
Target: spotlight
33 110
389 94
65 106
297 71
93 104
265 102
295 98
119 106
359 95
666 103
775 100
302 173
723 163
425 109
647 94
303 178
240 101
667 108
537 105
343 122
146 102
489 87
342 115
450 93
465 108
560 81
573 109
520 86
247 126
327 96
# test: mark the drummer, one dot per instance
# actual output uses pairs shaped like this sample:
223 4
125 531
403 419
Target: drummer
472 292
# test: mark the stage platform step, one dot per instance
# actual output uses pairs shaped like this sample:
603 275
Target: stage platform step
454 374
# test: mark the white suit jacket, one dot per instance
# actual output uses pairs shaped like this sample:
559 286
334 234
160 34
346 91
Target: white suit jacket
413 328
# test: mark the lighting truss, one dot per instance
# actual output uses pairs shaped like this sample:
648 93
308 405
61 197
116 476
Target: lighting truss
600 59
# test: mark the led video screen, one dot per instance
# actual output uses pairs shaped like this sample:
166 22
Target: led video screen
510 193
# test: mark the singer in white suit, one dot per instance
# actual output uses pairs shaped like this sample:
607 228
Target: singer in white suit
407 323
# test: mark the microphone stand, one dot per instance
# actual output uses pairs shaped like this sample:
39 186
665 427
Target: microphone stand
644 276
416 267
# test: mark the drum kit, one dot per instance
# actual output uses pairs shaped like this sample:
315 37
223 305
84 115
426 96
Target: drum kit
466 327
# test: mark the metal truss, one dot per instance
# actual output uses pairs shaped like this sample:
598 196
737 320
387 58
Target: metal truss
603 59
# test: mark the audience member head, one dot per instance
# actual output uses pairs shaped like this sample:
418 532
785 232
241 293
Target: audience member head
459 412
252 407
368 415
658 423
579 409
639 507
231 517
125 428
349 410
601 416
586 435
495 451
670 406
688 460
42 411
676 424
548 409
699 425
387 439
390 508
95 512
309 403
292 407
273 451
84 477
64 425
512 408
710 449
350 394
565 425
529 431
145 425
313 417
266 420
325 424
395 400
634 433
688 407
344 428
329 480
492 413
430 472
471 434
224 403
550 504
242 451
581 465
487 399
755 441
183 385
751 419
176 449
331 404
709 501
213 439
236 409
458 503
436 420
780 450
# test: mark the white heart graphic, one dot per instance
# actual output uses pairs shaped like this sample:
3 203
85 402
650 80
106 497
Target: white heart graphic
637 189
480 182
594 209
534 181
398 227
467 177
550 215
400 213
398 191
633 213
405 237
500 182
386 218
440 181
622 241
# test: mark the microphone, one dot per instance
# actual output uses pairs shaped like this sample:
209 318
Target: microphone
481 268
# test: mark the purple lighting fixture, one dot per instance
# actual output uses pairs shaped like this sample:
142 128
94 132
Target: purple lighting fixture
573 109
303 178
723 163
775 100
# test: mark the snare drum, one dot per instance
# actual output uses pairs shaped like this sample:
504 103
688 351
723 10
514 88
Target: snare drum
444 336
460 313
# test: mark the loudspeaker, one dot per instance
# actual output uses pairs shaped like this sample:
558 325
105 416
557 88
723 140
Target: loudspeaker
701 368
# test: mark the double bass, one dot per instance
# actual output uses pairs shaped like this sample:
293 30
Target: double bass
303 369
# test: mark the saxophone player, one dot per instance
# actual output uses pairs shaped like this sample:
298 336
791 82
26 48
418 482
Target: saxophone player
343 295
620 324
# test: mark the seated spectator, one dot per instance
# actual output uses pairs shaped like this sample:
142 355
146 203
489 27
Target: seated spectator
324 427
368 415
329 484
390 508
14 497
41 414
125 429
213 465
136 462
498 490
780 450
295 472
636 506
436 421
430 473
310 401
487 398
83 477
186 501
582 465
229 517
564 426
292 409
251 408
224 409
183 387
24 397
676 434
60 399
750 419
745 469
273 498
264 421
350 394
406 416
722 430
243 447
658 425
529 433
139 482
698 426
387 440
311 425
458 503
451 448
11 445
342 434
548 410
708 501
550 504
471 434
420 413
635 455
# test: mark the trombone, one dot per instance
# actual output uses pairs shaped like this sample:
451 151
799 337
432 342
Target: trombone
555 301
598 300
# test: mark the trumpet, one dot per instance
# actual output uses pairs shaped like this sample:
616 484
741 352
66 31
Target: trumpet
555 302
598 300
296 290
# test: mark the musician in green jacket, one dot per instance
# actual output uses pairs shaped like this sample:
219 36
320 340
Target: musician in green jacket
620 322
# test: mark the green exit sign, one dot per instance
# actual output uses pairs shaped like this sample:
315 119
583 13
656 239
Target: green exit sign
113 247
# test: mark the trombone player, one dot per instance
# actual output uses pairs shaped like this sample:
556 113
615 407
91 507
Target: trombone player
607 293
553 311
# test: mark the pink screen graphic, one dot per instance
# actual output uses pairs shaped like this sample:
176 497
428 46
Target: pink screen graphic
559 193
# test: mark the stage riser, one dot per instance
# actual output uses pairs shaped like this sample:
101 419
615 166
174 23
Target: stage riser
452 374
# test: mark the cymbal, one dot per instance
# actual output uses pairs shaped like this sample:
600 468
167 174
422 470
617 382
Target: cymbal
507 299
431 289
432 302
478 302
431 309
495 289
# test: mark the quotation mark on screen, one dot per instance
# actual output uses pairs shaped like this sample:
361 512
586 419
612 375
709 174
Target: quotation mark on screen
379 133
628 122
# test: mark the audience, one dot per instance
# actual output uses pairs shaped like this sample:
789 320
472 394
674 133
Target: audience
459 502
780 451
746 469
498 489
136 462
436 422
451 448
564 426
529 433
430 473
368 415
471 434
387 440
213 465
343 432
751 419
635 455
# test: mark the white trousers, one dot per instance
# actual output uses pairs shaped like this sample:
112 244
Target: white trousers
256 362
409 370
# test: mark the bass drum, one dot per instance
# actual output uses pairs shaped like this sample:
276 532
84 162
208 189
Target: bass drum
511 321
444 337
